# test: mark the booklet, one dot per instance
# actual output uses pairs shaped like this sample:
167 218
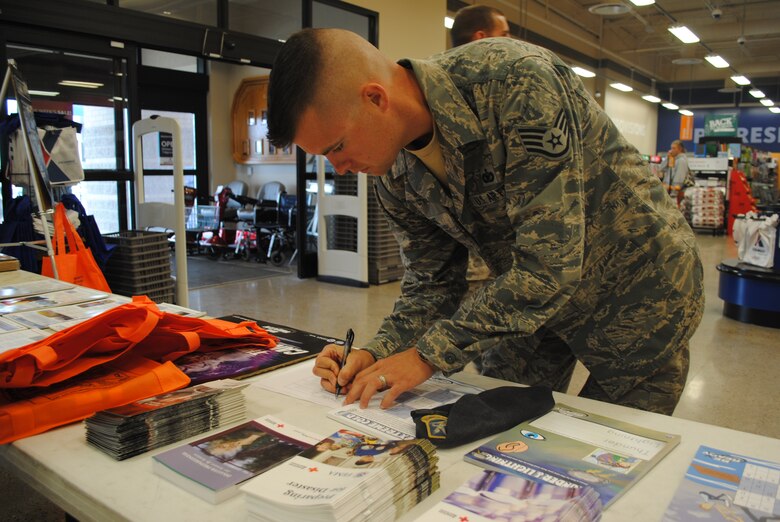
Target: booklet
346 476
32 288
214 467
60 317
720 485
494 496
143 425
49 300
16 338
574 448
294 346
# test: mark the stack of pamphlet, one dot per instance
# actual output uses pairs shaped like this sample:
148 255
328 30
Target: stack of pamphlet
347 476
574 449
143 425
494 496
214 467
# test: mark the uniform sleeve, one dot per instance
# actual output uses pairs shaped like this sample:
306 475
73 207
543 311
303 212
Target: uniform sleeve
434 277
539 118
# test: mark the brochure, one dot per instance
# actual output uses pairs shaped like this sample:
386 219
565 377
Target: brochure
574 448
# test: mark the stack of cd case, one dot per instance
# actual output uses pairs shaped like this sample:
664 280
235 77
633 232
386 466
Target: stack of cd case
140 426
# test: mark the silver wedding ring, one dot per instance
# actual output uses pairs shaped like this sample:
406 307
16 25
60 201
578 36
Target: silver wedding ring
382 382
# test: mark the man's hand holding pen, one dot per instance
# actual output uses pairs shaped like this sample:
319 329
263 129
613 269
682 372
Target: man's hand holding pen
361 377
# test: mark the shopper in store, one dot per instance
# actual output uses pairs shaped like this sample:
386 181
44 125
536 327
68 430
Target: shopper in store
475 22
498 147
676 174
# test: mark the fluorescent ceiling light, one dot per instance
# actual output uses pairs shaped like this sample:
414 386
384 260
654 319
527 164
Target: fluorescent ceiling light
448 22
776 110
651 98
683 34
583 72
755 93
85 85
685 112
642 3
767 102
43 93
671 106
621 87
717 61
740 80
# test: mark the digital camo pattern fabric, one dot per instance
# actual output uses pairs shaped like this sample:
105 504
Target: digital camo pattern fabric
585 244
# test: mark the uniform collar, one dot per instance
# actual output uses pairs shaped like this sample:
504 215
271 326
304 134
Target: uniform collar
456 123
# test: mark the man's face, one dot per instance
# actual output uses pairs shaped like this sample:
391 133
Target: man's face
675 150
360 141
500 27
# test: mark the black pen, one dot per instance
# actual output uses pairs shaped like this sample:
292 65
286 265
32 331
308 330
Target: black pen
347 349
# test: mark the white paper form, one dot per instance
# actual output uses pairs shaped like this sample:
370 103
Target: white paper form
395 422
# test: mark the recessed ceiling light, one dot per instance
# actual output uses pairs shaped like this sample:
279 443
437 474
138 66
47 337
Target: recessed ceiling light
776 110
583 72
683 34
76 83
671 106
448 22
621 87
755 93
642 3
43 93
685 112
651 98
740 80
767 102
717 61
609 9
687 61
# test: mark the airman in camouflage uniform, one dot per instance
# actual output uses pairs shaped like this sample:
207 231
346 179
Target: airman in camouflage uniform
593 260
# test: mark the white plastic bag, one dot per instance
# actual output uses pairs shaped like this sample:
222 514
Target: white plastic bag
759 241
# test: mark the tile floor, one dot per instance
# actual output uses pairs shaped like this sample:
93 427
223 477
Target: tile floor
734 380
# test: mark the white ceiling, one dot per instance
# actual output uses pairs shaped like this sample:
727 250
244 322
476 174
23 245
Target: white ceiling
638 44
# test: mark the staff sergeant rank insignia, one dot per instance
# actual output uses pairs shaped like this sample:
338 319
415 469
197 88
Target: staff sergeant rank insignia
552 143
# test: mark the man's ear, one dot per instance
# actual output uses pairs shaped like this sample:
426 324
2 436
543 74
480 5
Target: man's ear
478 35
376 95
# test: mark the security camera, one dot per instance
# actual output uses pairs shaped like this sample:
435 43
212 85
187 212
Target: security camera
716 13
741 40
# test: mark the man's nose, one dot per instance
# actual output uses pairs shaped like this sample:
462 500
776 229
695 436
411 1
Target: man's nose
340 164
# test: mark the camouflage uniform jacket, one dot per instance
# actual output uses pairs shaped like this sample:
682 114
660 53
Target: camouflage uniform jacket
582 237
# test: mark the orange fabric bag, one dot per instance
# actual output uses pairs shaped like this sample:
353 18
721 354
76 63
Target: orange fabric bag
77 265
120 356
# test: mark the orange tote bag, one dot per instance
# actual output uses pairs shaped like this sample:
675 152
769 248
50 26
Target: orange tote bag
75 264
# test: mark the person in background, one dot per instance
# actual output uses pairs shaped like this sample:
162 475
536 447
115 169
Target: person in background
676 174
497 147
476 22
